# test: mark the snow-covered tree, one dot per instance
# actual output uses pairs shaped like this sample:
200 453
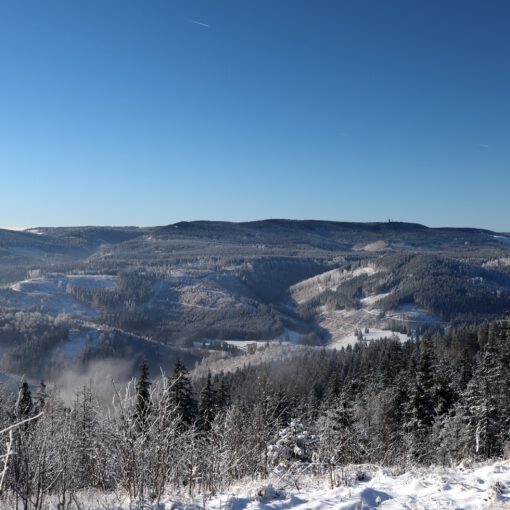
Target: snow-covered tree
294 444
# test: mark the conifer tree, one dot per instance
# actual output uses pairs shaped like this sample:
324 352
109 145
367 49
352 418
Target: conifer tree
143 404
85 432
40 397
24 403
223 396
484 400
335 436
207 404
180 395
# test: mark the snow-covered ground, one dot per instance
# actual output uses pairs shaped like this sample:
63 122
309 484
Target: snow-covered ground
93 281
371 247
503 261
373 334
44 293
313 287
266 352
48 283
342 324
203 294
469 488
412 313
288 336
374 298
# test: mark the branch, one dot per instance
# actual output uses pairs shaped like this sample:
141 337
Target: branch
21 422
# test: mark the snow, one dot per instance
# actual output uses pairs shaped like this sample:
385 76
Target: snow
503 261
203 294
370 300
436 488
373 334
312 287
288 336
266 353
468 488
341 324
244 344
372 247
412 313
44 293
93 281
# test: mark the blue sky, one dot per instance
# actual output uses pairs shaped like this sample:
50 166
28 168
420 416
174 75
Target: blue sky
122 112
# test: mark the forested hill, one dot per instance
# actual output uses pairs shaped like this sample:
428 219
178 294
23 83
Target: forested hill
76 295
324 235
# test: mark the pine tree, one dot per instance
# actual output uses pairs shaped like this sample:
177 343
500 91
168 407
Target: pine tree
445 388
85 432
294 444
484 404
143 403
22 440
223 396
40 397
420 406
24 403
335 436
265 423
207 404
179 397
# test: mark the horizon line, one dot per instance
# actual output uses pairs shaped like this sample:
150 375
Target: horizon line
153 226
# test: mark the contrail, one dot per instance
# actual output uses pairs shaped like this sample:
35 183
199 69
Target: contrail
198 23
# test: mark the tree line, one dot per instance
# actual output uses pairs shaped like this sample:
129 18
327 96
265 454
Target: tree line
438 399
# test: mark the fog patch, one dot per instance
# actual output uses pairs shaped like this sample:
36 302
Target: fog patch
101 376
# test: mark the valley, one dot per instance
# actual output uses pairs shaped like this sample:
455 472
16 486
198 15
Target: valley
191 288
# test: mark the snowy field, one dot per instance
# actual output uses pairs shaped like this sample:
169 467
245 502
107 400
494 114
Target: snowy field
46 294
330 280
287 337
342 324
468 488
49 293
89 281
373 334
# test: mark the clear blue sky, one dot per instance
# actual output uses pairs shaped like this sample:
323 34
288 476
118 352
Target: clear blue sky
150 112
